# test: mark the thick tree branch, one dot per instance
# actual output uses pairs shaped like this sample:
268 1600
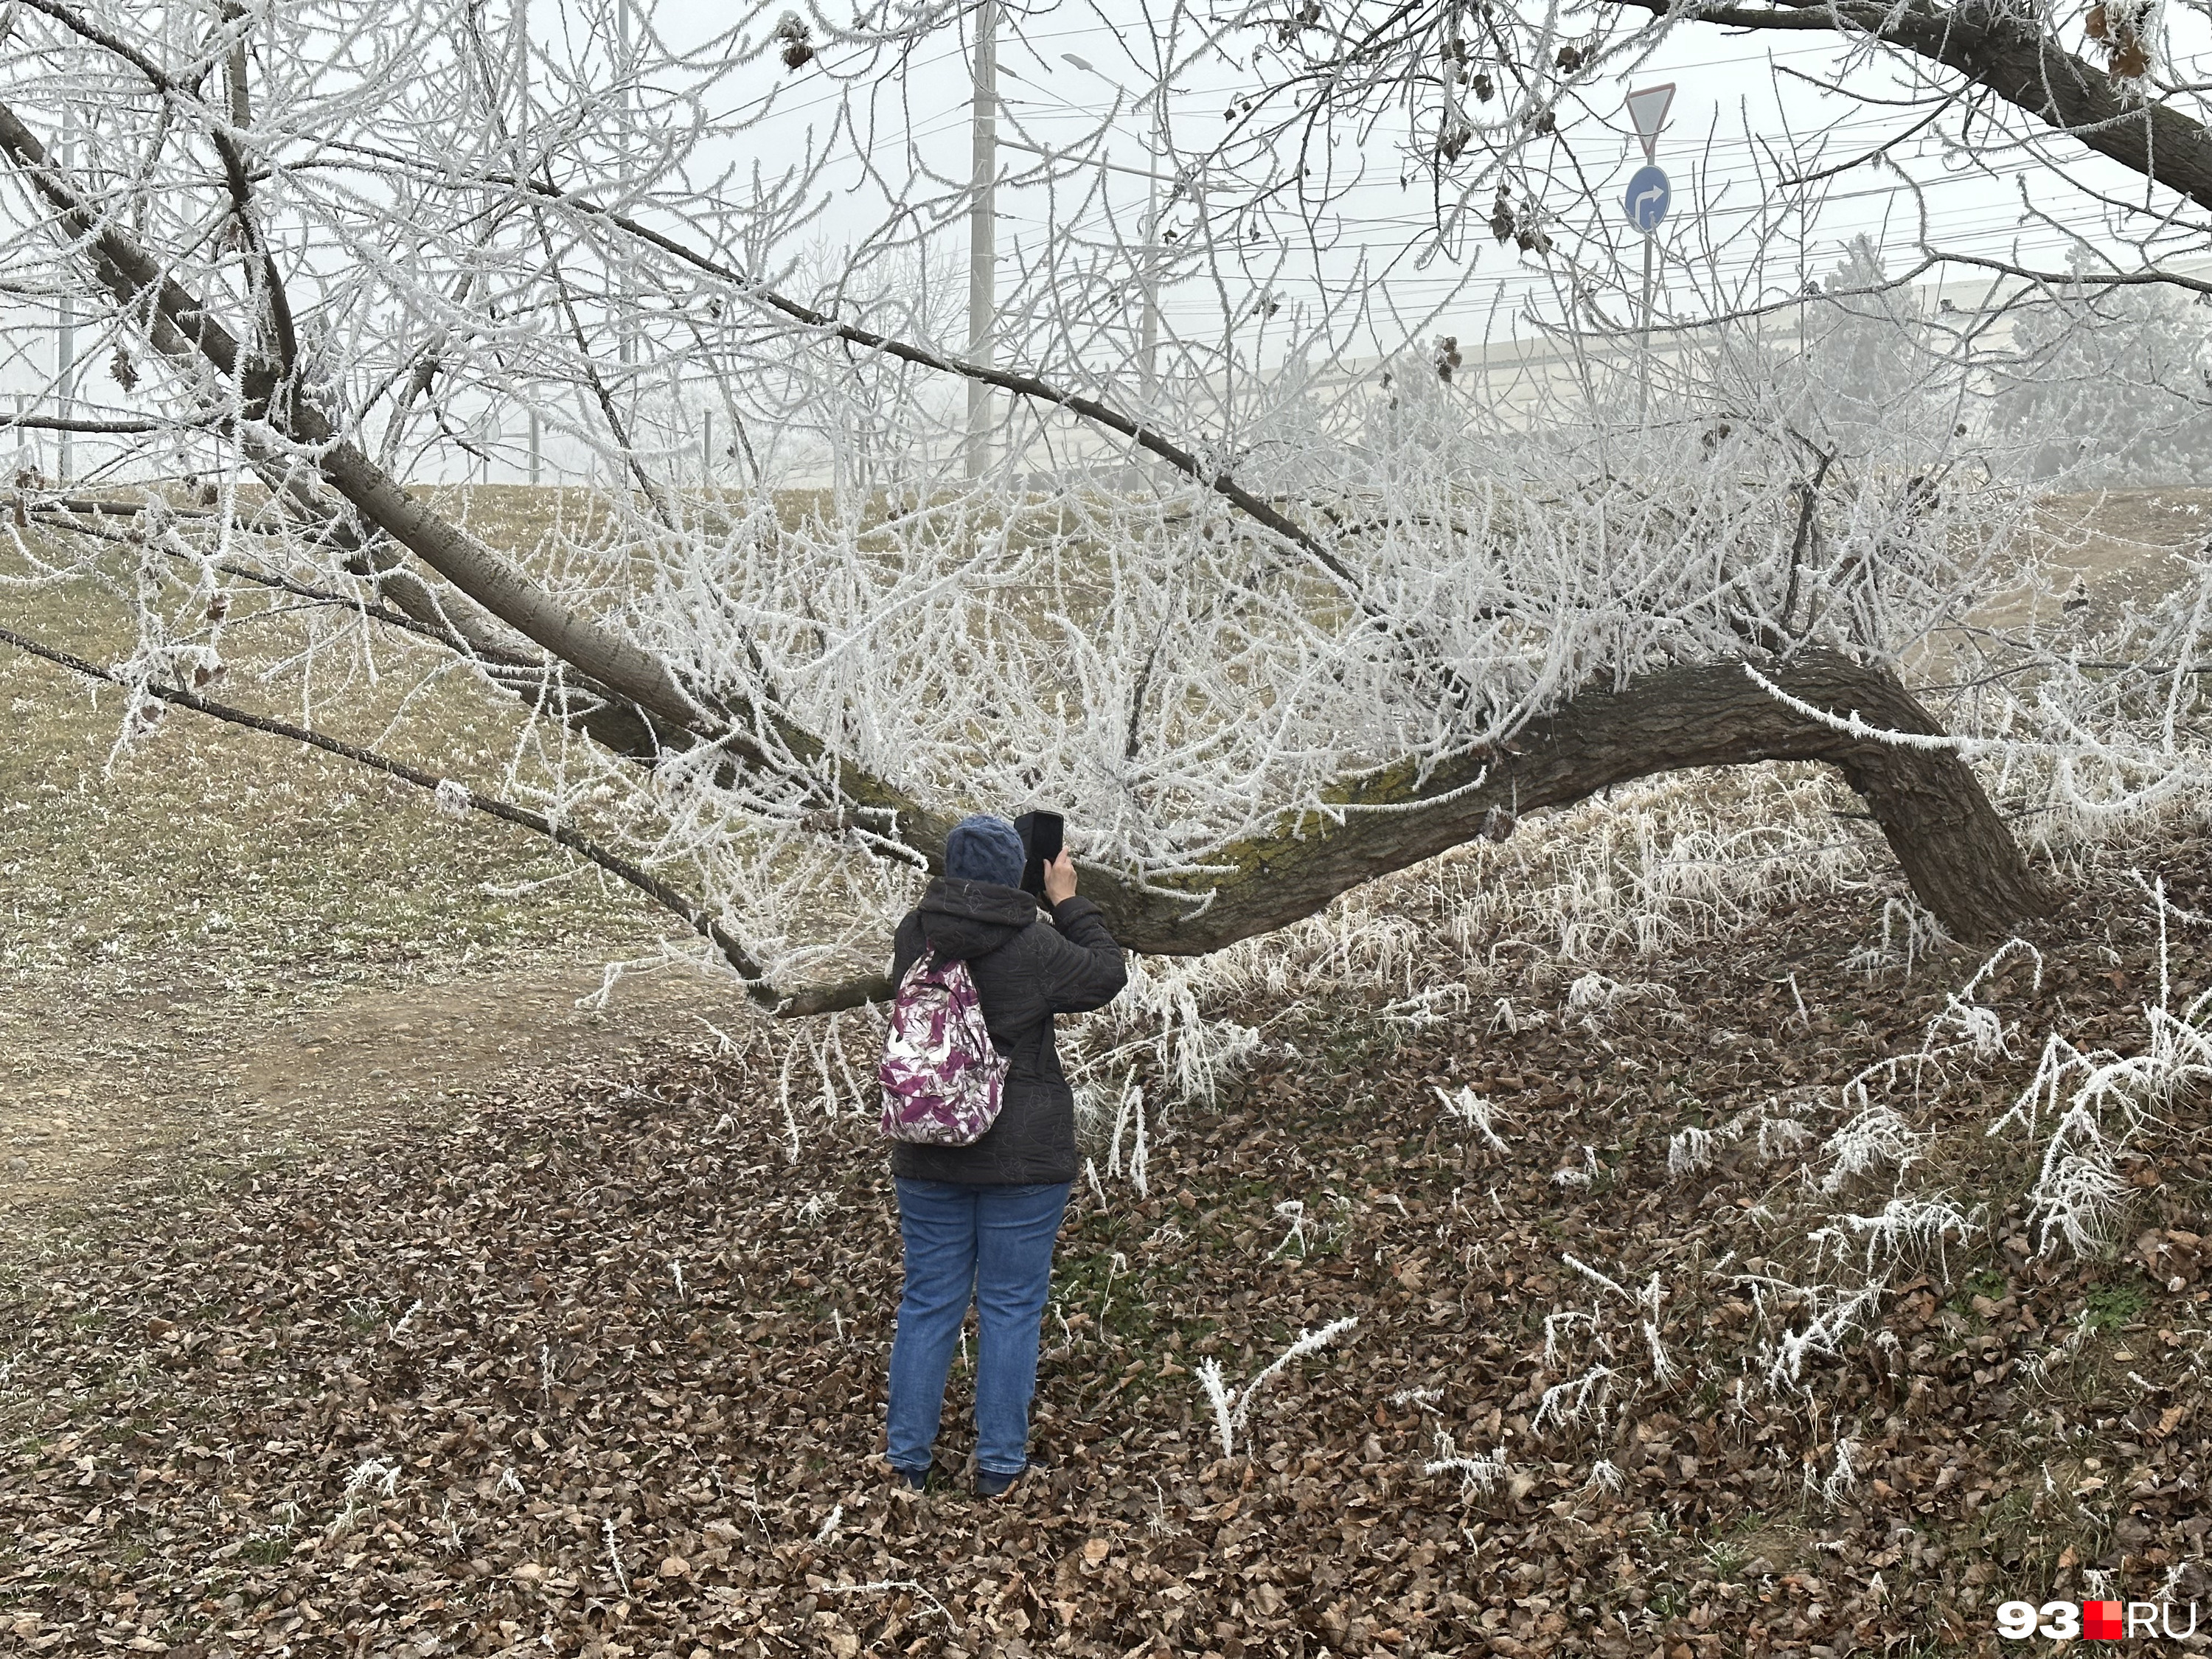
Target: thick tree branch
1960 860
182 327
1996 47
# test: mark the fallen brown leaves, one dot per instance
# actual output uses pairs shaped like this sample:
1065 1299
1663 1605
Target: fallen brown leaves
603 1371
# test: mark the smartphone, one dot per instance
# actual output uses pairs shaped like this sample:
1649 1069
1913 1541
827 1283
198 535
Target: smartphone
1043 834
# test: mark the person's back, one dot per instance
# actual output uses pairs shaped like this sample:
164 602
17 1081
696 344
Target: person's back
981 1218
1025 971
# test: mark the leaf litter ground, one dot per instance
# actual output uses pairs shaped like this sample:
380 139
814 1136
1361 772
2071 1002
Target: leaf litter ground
599 1370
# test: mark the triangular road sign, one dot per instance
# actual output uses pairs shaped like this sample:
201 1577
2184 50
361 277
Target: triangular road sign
1647 108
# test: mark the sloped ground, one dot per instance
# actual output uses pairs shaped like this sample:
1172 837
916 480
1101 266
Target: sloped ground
286 1058
600 1370
222 947
2127 545
114 1102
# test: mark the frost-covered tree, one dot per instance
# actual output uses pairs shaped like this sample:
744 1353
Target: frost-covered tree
1264 639
1865 366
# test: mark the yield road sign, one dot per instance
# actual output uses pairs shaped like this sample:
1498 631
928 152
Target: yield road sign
1649 193
1647 110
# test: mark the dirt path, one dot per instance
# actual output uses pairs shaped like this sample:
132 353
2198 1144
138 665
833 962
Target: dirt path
115 1101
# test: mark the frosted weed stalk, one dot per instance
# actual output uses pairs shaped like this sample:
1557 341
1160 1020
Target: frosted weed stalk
1230 1408
1874 1136
1132 1105
1477 1111
1160 1023
1907 1229
371 1478
1477 1475
1594 996
2104 1105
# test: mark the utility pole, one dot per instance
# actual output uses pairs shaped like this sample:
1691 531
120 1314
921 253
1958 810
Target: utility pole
65 333
521 155
1148 355
626 344
983 231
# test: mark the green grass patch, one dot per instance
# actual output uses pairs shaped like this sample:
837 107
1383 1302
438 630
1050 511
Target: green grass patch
2110 1309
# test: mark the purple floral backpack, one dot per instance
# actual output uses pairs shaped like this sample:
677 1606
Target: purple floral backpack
944 1079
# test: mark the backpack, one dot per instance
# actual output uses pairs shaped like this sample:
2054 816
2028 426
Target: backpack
944 1079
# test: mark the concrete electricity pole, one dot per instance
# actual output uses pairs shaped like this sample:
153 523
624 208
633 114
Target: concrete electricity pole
625 342
983 231
65 331
521 151
1148 341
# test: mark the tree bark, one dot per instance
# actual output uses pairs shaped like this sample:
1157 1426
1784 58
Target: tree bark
1961 860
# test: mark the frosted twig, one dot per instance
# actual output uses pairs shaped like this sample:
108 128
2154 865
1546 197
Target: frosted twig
1233 1409
614 1553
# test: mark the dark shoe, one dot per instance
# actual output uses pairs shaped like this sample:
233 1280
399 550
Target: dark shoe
991 1485
917 1479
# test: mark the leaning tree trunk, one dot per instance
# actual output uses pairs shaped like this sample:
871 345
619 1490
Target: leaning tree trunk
1961 860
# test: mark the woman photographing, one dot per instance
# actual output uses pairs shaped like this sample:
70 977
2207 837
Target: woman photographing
979 1212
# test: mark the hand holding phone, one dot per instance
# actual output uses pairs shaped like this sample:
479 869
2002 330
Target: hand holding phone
1060 879
1043 840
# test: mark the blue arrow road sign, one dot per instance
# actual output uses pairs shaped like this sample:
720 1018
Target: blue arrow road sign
1649 192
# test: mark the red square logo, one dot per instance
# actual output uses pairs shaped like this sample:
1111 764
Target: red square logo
2101 1622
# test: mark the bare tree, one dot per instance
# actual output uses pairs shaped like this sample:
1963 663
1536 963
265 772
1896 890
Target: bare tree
1267 636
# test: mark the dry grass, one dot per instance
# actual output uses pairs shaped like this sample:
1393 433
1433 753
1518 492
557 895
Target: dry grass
210 855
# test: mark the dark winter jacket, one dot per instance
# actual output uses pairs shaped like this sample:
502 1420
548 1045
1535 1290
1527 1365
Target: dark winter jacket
1025 971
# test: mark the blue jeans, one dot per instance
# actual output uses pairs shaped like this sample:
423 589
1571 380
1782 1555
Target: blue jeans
993 1244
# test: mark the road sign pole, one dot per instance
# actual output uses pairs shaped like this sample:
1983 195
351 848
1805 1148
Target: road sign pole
1648 197
1644 356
